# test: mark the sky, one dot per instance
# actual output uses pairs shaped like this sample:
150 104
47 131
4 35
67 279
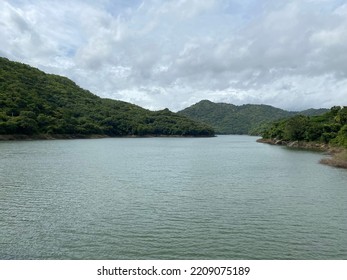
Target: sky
290 54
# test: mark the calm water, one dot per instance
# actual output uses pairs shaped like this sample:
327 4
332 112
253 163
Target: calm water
226 197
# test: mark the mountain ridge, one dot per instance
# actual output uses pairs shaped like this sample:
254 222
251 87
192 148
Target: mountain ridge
228 118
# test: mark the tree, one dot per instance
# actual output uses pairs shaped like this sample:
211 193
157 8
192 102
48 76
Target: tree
296 128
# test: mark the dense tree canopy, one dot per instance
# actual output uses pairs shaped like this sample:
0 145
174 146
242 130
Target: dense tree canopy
330 127
246 119
32 102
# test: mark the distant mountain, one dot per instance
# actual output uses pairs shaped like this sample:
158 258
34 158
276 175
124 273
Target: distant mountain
34 103
312 112
245 119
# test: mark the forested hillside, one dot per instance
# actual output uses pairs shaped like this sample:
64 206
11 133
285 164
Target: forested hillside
329 128
246 119
35 103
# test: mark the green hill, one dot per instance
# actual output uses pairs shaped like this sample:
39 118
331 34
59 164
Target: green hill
246 119
329 128
35 103
327 132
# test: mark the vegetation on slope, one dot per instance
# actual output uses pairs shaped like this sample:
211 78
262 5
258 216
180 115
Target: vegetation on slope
327 132
329 128
246 119
35 103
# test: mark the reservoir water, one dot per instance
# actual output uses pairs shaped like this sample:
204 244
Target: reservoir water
226 197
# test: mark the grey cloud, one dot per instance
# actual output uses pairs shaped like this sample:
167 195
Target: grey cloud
18 22
169 53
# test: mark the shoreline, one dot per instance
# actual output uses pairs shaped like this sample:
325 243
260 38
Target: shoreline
23 137
337 156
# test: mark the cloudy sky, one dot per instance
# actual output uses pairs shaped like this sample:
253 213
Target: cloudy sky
290 54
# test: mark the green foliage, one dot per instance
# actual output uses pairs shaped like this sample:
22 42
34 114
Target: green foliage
245 119
32 102
330 127
296 128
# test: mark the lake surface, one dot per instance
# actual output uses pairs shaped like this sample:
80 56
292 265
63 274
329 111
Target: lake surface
226 197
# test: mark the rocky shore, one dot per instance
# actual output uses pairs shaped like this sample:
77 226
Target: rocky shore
336 156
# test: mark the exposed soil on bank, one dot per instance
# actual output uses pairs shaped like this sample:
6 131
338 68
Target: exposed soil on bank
336 156
338 160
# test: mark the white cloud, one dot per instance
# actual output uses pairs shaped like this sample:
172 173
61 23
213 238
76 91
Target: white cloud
159 54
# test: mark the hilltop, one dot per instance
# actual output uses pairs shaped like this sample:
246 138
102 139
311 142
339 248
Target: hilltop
245 119
36 104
